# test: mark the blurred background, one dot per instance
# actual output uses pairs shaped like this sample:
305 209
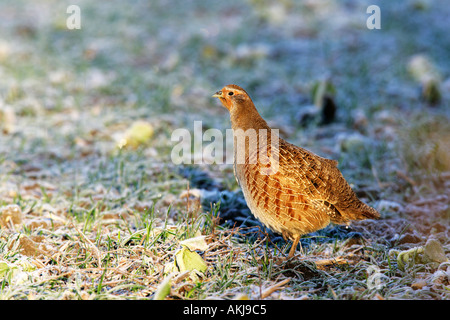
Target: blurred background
313 68
86 115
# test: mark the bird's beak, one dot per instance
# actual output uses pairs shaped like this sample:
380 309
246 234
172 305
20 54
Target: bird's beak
218 94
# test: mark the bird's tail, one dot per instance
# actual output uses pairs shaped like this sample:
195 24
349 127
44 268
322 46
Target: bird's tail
358 211
364 211
370 213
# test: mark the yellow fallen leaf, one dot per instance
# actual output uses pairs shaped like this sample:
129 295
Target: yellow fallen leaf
431 252
17 272
188 260
196 243
139 133
163 289
4 268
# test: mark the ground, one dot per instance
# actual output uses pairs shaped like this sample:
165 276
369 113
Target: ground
92 205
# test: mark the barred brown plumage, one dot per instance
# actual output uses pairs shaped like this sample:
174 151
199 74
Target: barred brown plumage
290 189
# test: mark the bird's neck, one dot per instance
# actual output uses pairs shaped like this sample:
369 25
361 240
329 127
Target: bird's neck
247 117
254 141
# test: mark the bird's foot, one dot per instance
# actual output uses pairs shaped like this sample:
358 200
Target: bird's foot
294 246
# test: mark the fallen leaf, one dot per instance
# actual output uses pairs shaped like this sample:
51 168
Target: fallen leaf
189 260
139 133
4 267
164 287
197 243
431 252
434 252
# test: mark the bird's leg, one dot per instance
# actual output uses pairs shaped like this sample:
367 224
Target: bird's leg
294 246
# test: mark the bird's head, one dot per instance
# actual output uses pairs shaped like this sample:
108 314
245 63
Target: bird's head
232 96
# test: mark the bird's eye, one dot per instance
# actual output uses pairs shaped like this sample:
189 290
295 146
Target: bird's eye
230 93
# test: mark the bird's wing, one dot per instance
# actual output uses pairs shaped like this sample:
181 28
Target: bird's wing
313 176
320 180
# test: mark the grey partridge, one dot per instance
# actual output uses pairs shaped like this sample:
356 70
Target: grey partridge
289 189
